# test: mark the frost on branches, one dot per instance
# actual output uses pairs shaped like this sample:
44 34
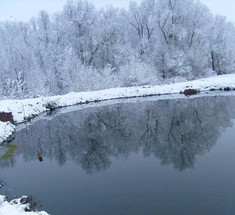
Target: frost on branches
83 49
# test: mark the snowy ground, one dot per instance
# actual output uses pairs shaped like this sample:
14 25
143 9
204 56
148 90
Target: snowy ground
14 207
22 110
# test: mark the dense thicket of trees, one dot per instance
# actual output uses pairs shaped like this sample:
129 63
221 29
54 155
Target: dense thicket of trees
82 48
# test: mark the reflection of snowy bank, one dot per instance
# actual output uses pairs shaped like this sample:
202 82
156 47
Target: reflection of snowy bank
28 108
16 207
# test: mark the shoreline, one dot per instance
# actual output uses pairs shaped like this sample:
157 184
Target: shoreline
24 110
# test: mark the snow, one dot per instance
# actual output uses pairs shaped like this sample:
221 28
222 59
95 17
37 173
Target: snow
14 207
22 110
6 130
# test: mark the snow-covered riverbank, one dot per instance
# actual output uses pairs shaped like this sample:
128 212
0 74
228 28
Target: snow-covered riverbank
22 110
15 207
6 131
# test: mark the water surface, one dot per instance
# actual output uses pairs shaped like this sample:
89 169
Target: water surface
151 157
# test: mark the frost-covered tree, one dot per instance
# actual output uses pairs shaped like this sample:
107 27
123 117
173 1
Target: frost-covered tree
82 48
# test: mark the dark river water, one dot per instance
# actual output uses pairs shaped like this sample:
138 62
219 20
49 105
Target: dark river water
140 158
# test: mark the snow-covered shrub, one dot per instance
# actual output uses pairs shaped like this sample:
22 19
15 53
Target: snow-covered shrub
137 73
177 64
13 88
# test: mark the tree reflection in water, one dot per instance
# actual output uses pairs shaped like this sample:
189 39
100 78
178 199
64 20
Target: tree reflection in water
174 131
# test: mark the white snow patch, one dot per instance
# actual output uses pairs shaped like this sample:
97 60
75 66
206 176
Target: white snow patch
6 130
14 207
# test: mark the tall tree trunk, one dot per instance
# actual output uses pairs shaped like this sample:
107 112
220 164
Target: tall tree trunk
213 60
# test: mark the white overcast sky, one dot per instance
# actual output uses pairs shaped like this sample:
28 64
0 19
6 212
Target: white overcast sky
23 10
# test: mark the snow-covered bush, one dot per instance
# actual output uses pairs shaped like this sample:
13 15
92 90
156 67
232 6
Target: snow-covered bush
137 73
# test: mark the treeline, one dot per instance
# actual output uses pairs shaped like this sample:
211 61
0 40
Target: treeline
82 48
